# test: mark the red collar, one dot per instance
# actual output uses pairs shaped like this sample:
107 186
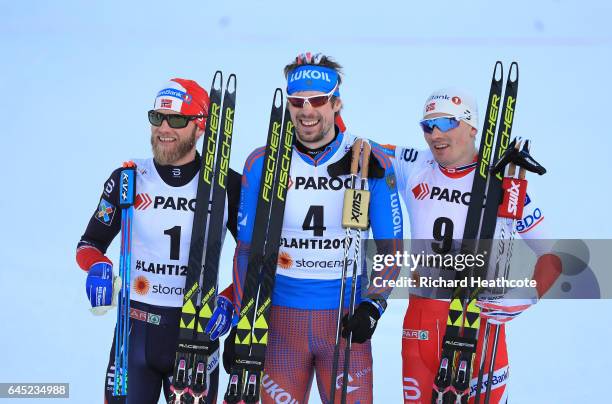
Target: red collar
461 171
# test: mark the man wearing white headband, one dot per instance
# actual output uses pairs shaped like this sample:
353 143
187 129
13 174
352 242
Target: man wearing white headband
435 185
163 218
307 287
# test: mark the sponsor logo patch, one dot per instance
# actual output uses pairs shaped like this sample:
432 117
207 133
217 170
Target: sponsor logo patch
284 260
420 191
106 212
142 201
423 191
391 181
421 335
141 285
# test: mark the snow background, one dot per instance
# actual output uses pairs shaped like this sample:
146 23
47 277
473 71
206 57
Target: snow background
77 78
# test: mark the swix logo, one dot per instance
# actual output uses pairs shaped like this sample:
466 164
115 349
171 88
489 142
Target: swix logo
430 107
276 392
411 389
356 212
322 183
514 192
143 201
421 191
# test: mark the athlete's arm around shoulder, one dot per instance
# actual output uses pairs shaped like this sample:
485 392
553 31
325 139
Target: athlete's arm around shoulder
405 161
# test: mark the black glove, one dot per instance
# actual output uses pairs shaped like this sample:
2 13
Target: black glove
229 350
343 166
362 324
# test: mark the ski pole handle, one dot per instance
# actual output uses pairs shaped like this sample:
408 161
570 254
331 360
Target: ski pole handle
365 162
356 152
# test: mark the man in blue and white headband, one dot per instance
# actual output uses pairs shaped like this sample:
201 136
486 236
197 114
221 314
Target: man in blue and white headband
308 278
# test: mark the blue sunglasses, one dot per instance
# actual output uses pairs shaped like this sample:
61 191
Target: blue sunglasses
444 123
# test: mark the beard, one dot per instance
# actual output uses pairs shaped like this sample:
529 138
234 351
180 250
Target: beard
167 154
316 137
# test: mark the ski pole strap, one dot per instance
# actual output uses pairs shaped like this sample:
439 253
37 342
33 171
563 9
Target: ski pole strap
127 189
357 201
380 304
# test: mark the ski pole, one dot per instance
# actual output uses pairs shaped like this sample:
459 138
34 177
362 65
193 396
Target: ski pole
127 192
356 262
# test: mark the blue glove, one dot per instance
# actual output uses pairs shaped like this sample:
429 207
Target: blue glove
99 287
222 318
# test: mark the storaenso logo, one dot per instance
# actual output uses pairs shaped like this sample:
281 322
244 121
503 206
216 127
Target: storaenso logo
211 144
505 135
285 163
489 135
271 162
168 290
225 146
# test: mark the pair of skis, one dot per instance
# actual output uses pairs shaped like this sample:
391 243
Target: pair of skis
252 329
127 192
452 382
189 383
510 209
